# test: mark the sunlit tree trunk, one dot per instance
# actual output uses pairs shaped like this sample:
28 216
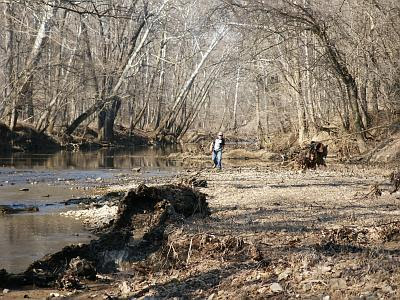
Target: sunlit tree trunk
48 118
235 101
23 86
166 123
10 108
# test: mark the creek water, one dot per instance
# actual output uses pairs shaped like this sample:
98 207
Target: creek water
45 180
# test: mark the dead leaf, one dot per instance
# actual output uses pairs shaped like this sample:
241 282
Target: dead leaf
285 274
276 287
338 283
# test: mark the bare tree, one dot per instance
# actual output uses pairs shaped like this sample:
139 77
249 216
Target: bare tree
21 93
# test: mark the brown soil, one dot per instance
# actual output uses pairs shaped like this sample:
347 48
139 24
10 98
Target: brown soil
273 233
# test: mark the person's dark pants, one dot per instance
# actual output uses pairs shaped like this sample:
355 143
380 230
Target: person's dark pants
217 158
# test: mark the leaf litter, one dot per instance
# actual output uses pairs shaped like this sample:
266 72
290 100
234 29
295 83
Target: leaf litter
260 232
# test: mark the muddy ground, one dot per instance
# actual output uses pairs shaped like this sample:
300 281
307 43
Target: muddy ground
273 232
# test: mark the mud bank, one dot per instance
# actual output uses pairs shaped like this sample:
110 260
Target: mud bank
25 138
138 230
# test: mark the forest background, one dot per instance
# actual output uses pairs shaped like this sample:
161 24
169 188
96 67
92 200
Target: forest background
256 69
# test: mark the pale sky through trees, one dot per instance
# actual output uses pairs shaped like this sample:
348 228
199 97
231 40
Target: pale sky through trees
173 66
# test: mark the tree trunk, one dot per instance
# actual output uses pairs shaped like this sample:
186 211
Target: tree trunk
14 115
260 130
358 124
101 103
293 76
301 119
374 105
166 122
307 87
161 83
305 15
350 83
150 84
23 86
28 101
345 114
235 103
9 50
199 101
106 120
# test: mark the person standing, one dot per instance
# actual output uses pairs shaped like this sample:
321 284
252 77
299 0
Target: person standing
216 147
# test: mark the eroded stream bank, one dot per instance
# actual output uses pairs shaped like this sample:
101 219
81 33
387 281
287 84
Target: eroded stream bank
46 181
136 232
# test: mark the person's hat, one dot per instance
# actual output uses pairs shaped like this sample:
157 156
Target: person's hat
220 133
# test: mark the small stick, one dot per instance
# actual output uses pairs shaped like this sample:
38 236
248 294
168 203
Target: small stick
189 251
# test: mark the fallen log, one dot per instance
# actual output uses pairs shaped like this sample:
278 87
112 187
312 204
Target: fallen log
10 209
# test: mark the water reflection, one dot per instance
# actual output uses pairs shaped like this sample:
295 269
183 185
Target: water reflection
110 158
51 178
27 237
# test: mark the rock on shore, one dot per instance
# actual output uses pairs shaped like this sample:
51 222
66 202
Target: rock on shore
94 217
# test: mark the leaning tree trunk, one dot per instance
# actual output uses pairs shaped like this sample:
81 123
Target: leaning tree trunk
348 79
352 91
100 104
178 104
303 14
48 119
350 84
198 102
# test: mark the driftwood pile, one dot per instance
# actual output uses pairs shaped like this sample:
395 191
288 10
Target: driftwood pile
181 249
314 155
357 237
311 156
395 181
